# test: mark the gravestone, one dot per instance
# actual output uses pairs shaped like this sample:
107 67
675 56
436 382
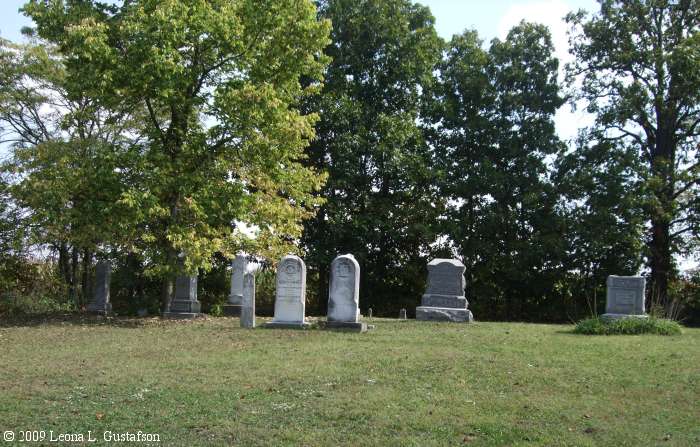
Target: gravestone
235 298
100 303
444 298
290 296
184 304
625 297
248 301
369 312
344 295
402 314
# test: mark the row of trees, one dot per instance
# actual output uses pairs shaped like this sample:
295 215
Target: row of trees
159 127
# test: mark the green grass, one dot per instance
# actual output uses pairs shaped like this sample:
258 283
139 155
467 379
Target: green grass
628 326
404 384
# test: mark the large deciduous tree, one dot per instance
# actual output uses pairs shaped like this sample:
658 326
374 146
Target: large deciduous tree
492 128
66 161
220 81
380 193
638 65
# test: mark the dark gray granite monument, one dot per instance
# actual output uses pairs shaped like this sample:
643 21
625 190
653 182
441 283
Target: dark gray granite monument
344 295
100 303
235 299
248 302
184 304
625 297
444 298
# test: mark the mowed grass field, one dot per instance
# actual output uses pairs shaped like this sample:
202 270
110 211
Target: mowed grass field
410 383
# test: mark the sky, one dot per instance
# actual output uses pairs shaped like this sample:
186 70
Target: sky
491 18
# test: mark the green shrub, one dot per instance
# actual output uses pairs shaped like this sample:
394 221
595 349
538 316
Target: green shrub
627 326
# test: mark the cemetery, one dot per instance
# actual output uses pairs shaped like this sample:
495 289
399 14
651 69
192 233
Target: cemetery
350 222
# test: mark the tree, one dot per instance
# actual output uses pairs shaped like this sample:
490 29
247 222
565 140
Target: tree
491 122
638 64
67 159
380 195
219 81
602 196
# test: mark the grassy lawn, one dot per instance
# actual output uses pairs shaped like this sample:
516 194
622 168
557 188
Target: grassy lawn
209 382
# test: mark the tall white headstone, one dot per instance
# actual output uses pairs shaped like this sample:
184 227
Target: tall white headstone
235 298
344 295
248 304
290 298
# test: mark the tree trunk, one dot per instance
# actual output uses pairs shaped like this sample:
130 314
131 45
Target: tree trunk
662 167
85 281
63 262
322 290
73 283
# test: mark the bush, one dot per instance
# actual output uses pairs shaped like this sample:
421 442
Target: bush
627 326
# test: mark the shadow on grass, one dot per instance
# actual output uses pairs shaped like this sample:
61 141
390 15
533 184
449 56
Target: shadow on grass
85 319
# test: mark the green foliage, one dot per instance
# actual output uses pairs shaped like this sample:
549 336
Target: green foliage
380 195
627 326
218 84
636 69
491 124
28 287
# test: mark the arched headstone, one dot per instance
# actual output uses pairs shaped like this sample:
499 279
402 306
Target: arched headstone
290 295
344 295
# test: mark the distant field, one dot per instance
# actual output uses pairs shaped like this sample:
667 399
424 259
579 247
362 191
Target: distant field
209 382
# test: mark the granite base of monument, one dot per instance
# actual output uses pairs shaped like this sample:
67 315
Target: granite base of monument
183 310
181 315
349 326
104 309
614 317
231 310
286 325
425 313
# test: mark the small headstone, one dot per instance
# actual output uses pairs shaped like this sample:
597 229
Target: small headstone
248 302
184 304
369 313
402 314
290 296
444 298
344 295
625 297
235 298
100 303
